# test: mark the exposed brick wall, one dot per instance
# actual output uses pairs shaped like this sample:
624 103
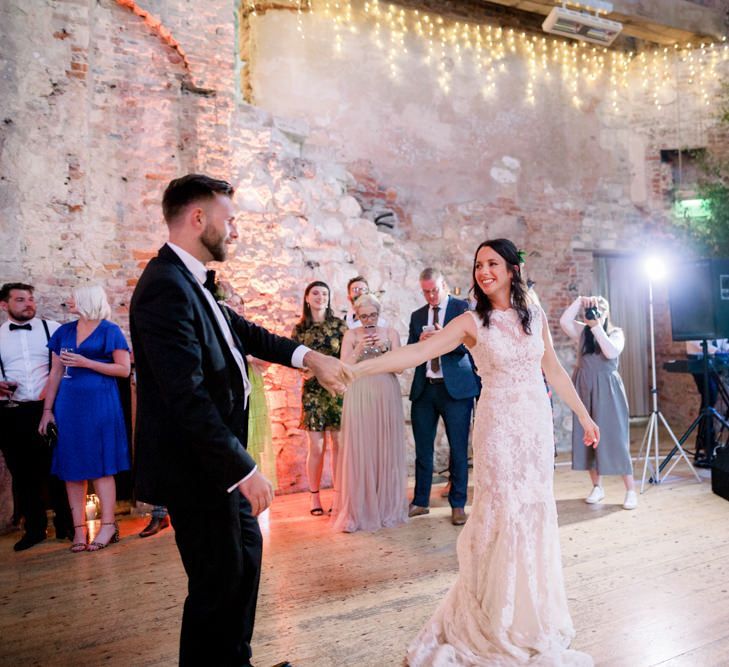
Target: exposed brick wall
104 102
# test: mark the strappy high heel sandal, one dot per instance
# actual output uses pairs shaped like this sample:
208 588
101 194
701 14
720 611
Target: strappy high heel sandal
78 547
98 546
316 511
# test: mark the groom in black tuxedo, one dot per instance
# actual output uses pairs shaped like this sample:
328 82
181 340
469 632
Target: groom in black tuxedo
192 416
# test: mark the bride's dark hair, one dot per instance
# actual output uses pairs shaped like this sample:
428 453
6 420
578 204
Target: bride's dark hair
508 251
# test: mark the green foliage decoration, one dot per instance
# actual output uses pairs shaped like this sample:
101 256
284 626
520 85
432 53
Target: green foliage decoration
706 221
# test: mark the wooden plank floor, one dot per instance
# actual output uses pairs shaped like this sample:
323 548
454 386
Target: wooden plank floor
648 587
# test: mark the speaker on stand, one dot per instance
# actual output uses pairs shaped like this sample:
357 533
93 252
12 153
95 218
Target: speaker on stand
699 301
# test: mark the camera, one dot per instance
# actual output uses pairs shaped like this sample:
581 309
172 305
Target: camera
592 313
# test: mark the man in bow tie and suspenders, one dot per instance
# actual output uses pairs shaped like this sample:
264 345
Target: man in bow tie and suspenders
24 366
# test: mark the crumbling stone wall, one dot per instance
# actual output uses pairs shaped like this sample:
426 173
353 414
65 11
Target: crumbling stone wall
104 101
108 101
456 168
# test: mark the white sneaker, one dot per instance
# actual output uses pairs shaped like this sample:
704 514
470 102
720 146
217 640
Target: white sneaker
631 500
596 495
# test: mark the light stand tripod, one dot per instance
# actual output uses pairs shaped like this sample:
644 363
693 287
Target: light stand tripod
651 434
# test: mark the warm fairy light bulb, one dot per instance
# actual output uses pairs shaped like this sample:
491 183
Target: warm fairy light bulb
486 47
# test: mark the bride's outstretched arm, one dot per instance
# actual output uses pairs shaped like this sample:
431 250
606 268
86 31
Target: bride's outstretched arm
461 329
557 377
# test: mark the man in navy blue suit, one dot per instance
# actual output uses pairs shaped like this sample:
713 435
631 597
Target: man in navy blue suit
443 387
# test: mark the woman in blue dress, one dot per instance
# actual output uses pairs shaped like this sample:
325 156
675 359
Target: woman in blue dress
83 400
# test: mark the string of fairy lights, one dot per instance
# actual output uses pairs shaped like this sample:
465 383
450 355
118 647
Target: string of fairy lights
488 52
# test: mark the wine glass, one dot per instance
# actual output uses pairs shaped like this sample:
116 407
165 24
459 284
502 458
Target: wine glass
66 374
12 386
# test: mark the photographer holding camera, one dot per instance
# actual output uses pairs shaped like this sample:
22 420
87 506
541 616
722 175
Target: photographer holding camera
601 389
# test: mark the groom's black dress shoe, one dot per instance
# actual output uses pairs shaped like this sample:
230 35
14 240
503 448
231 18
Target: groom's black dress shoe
28 541
285 663
155 525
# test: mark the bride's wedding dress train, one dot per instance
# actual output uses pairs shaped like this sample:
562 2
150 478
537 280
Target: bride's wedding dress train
508 605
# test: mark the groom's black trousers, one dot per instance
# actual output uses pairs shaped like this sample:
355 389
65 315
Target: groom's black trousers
221 546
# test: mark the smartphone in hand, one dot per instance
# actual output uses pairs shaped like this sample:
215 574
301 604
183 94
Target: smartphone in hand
371 333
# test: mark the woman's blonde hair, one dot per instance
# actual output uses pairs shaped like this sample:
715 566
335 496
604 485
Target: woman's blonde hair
91 302
367 300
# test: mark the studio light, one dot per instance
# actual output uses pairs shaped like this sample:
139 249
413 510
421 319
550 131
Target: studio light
655 268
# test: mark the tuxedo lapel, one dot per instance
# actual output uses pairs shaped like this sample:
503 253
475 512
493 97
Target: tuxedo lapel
236 339
166 253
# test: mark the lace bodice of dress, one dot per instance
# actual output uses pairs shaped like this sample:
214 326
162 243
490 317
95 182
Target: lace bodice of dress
516 460
505 355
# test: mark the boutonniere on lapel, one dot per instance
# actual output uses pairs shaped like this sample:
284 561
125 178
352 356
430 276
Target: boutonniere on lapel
215 286
219 292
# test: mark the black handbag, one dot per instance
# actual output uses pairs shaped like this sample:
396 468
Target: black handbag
720 472
51 434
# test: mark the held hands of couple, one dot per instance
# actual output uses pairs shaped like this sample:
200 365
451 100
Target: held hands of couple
259 492
327 370
591 430
347 374
5 390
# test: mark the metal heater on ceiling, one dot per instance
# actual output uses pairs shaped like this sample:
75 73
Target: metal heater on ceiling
582 25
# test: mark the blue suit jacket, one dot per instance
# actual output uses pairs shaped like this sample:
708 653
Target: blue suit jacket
460 378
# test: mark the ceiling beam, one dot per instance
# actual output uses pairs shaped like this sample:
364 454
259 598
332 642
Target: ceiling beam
660 21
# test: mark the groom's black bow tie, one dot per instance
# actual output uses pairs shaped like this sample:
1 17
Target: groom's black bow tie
26 327
209 283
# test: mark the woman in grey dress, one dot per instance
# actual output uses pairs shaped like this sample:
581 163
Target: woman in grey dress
371 470
601 389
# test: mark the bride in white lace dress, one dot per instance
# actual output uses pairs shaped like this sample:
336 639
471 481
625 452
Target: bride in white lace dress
508 605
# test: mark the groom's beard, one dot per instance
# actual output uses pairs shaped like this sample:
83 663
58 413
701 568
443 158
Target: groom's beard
215 243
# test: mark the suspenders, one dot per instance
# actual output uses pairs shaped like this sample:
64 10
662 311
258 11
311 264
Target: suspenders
48 337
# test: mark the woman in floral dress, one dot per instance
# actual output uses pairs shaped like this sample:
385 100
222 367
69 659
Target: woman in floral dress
319 330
